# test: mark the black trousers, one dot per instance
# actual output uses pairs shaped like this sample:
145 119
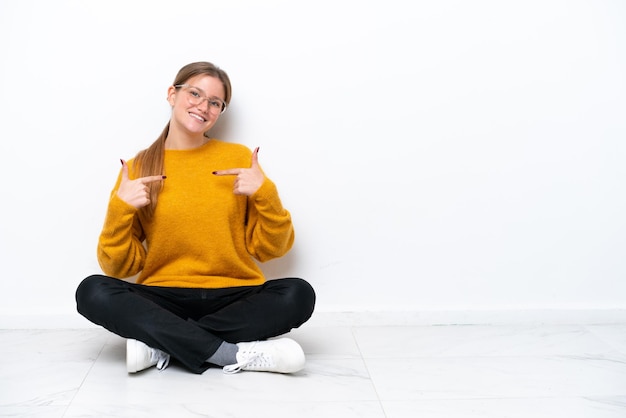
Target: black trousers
190 324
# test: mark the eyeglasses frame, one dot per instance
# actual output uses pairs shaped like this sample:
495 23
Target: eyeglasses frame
224 105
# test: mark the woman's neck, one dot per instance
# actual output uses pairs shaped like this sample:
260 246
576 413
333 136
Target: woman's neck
178 141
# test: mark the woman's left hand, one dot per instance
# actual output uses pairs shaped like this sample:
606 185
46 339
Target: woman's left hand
248 180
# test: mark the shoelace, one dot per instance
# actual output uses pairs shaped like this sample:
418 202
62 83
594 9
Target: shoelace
162 358
252 358
234 368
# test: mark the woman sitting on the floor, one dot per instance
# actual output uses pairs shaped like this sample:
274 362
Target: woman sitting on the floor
190 214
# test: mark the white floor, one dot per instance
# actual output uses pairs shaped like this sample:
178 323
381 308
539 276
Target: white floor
367 372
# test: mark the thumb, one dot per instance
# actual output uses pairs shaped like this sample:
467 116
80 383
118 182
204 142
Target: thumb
255 158
124 170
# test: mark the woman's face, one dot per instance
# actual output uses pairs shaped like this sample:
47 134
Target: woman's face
194 106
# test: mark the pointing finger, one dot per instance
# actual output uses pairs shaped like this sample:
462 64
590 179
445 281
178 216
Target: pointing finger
229 172
124 170
150 179
255 158
142 180
238 171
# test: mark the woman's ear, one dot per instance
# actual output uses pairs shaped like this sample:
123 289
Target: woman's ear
171 95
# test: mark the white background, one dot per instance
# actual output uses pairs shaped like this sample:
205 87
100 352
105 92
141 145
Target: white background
435 155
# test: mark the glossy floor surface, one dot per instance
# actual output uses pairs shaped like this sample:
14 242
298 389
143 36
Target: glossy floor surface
367 372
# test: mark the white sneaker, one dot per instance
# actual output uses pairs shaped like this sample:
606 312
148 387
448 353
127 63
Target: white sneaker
139 357
282 355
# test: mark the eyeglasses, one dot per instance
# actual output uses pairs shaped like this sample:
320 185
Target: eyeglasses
196 98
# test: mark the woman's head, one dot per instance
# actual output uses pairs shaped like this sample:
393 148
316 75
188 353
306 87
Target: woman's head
200 93
204 68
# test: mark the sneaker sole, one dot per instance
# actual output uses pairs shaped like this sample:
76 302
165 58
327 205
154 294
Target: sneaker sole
131 356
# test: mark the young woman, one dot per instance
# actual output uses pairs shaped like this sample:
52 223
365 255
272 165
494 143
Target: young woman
190 214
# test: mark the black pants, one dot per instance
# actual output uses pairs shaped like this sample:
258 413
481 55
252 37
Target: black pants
190 324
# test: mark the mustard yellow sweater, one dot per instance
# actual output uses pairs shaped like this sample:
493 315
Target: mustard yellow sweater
202 234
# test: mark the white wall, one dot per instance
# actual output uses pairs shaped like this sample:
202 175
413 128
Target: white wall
435 155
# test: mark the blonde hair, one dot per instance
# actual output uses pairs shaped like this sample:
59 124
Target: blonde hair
149 162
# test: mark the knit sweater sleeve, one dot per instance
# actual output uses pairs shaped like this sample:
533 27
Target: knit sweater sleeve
269 230
121 252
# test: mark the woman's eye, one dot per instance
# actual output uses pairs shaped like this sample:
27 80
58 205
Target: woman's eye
215 103
194 93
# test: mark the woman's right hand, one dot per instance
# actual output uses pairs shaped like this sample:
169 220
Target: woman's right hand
135 192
